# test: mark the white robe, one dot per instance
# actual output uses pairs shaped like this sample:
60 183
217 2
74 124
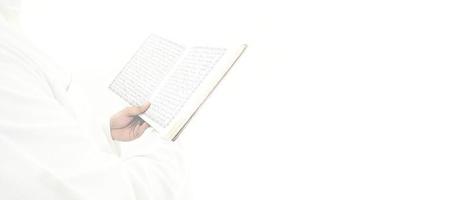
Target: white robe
46 154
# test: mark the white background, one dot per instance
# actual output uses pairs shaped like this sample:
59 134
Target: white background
332 99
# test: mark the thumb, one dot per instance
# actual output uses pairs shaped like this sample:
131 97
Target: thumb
136 110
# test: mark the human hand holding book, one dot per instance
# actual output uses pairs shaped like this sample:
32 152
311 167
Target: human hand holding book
126 125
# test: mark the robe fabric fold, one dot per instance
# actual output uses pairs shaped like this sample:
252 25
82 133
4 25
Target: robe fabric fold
47 154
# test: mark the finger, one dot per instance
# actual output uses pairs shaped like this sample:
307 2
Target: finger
145 125
136 110
140 130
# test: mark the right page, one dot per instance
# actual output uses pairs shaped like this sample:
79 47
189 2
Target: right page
181 84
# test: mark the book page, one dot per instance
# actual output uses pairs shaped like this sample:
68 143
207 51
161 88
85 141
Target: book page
147 69
179 86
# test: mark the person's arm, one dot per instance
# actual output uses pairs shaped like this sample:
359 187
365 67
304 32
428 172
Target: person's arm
52 151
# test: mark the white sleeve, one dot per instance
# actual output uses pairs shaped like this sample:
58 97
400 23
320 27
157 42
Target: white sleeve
46 155
114 146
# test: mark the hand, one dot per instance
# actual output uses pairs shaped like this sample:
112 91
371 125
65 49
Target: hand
126 125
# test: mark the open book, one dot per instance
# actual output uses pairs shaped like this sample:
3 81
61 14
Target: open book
174 78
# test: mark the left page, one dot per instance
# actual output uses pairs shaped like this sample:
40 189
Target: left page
143 74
